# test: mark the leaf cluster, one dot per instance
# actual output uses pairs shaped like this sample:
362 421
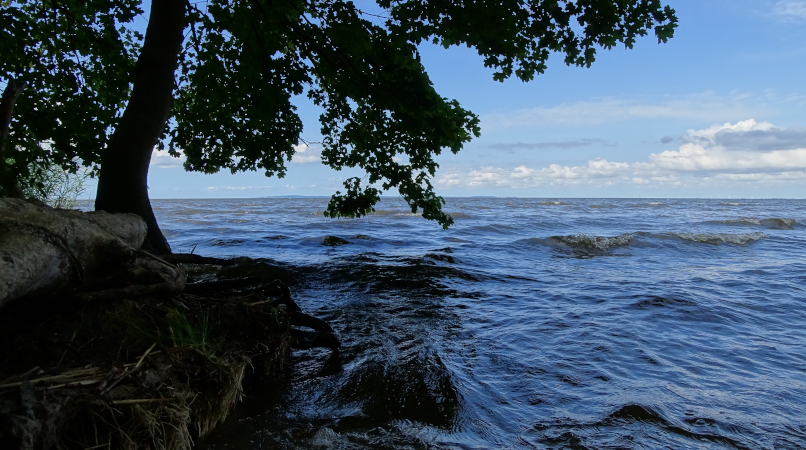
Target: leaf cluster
76 57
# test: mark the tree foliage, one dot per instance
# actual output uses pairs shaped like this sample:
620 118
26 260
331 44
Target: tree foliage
75 57
244 61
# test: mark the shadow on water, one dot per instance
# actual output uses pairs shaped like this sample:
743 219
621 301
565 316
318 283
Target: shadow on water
386 385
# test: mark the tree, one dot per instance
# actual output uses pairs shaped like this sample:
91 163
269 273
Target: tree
240 63
69 62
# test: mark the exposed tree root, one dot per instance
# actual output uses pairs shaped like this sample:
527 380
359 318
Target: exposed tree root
188 258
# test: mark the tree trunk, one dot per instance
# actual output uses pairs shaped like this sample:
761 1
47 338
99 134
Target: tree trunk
122 186
8 185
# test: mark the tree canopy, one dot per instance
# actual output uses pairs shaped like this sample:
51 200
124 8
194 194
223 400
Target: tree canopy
243 62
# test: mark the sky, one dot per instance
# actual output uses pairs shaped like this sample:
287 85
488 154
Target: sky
718 111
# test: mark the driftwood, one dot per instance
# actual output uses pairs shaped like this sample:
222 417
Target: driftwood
91 255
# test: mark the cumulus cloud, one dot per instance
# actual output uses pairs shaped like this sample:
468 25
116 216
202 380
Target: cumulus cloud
790 9
544 145
306 154
747 151
762 140
163 160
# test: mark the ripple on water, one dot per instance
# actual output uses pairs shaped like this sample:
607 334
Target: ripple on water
480 336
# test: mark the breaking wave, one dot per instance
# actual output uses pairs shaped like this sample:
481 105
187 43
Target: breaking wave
584 241
591 242
780 224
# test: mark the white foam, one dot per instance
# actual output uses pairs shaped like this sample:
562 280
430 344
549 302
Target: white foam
591 242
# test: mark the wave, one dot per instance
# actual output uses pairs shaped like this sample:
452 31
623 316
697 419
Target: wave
720 238
459 215
384 212
743 221
553 203
658 301
731 204
225 242
393 212
334 241
779 223
584 241
363 237
773 223
591 242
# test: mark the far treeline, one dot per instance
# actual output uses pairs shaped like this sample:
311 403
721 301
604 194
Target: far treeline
215 80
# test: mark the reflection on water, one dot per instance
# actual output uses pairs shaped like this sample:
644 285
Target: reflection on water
559 323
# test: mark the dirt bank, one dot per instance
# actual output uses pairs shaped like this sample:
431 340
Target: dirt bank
153 372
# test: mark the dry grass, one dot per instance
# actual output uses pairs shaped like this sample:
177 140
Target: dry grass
156 373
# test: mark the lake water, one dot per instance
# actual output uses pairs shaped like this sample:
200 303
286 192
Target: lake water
532 323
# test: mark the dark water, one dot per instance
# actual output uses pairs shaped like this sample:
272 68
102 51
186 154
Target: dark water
575 323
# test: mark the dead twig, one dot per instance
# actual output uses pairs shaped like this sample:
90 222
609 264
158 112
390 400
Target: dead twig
19 377
127 372
67 375
137 401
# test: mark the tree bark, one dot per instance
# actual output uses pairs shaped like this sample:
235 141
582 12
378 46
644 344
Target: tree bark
123 182
9 185
91 255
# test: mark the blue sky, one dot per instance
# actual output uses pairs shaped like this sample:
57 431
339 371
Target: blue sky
719 111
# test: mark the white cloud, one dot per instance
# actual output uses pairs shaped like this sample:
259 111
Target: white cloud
163 160
705 107
702 159
595 171
544 145
790 9
704 151
305 154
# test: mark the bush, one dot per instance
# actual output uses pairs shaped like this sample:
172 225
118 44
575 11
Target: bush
53 185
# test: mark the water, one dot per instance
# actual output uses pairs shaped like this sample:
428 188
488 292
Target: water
533 323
